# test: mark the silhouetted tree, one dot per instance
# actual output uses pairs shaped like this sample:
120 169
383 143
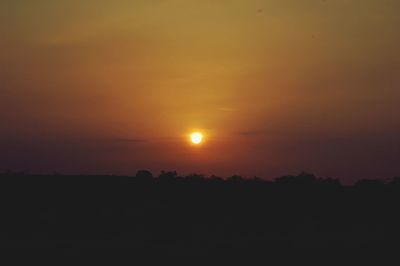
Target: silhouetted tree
215 178
369 184
144 174
329 182
168 175
235 178
258 179
195 177
303 179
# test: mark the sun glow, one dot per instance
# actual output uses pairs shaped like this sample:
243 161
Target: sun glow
196 138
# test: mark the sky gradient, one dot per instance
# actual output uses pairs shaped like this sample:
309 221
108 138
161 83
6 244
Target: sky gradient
278 87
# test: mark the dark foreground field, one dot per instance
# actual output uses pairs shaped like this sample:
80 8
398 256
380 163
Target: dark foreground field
193 216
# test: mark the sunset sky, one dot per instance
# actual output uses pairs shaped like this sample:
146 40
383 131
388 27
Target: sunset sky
276 86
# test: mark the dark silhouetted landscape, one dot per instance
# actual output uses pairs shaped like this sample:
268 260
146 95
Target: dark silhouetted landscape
195 216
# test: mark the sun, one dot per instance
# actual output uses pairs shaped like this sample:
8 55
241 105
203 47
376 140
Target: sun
196 138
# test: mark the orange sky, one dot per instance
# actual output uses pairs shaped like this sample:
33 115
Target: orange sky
277 86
